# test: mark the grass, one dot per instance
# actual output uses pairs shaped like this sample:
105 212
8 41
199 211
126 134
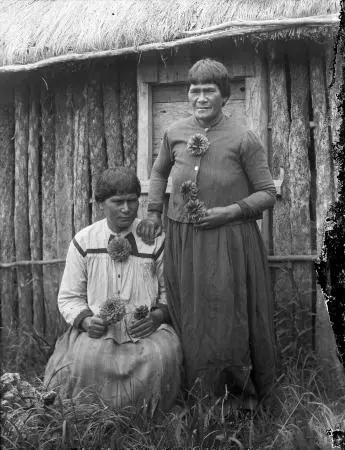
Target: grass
298 415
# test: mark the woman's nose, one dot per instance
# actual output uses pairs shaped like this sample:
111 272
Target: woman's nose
125 206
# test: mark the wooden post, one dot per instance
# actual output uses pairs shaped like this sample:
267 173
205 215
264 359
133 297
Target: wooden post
98 157
51 273
256 111
21 206
326 347
35 208
81 190
280 123
112 121
8 292
64 141
300 178
128 111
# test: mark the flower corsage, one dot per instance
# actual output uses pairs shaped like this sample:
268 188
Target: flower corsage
119 249
198 144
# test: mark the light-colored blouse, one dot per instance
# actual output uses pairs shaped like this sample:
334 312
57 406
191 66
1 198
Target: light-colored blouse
91 277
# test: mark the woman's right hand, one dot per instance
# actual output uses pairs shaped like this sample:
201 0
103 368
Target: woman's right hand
94 326
151 227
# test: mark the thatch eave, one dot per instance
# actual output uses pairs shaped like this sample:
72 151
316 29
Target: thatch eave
316 28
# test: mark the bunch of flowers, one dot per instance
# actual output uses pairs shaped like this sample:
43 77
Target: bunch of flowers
141 312
119 248
195 210
189 190
112 311
198 144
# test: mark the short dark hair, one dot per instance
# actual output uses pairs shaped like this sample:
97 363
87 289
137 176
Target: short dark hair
210 71
116 181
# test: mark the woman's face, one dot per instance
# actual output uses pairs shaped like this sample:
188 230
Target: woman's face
120 211
207 102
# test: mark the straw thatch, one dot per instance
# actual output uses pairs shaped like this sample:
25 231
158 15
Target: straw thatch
32 30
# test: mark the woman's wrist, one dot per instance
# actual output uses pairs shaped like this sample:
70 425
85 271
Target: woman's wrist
233 212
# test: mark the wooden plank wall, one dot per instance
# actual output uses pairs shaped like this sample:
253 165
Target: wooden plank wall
60 131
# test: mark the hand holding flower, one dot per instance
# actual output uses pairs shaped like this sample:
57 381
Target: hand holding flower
218 216
145 327
94 326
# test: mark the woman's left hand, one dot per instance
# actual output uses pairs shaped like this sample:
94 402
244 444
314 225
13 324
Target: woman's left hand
143 328
218 216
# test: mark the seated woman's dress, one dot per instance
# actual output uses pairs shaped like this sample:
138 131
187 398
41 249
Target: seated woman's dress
117 367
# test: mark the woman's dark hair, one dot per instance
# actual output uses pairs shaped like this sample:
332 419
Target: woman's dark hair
121 180
210 71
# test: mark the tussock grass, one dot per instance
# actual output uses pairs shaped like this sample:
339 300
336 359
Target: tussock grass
34 30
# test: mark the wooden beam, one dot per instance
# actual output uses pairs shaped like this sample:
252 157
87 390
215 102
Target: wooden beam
21 207
8 291
34 189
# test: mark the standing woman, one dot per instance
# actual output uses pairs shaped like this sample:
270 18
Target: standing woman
216 270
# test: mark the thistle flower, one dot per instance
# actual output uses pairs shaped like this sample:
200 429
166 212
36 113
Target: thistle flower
195 210
112 311
119 248
189 190
141 312
198 144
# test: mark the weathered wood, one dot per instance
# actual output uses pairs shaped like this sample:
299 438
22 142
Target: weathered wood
35 208
81 191
145 131
51 274
8 290
98 157
334 77
21 212
64 143
280 128
112 121
322 145
256 113
174 66
300 179
128 114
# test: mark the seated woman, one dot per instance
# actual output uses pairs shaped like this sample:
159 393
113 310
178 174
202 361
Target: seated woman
119 344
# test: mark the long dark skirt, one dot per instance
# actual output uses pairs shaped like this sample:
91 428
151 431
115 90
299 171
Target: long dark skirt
220 301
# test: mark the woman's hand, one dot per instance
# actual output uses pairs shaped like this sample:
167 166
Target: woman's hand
94 326
218 216
151 227
143 328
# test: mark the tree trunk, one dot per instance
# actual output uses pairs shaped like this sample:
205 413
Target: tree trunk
51 273
98 157
8 294
34 209
81 159
21 212
112 121
128 111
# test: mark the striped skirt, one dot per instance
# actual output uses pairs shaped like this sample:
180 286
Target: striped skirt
84 368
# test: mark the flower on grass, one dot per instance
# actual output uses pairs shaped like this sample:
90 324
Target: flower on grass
198 144
112 311
141 312
189 190
119 248
195 210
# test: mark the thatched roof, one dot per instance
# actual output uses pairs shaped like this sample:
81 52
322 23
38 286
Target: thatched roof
34 30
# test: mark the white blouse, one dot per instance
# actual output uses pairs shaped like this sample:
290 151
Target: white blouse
91 277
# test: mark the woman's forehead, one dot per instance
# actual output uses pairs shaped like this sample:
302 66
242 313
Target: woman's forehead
203 86
119 197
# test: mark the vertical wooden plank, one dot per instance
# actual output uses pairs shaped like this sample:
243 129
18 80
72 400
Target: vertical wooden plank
128 112
174 67
300 178
8 294
281 229
112 121
334 67
21 207
256 112
35 208
64 141
81 191
144 160
51 273
98 157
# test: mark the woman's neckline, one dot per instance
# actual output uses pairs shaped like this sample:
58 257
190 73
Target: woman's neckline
212 124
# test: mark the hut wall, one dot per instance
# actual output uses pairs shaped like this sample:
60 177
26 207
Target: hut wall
69 125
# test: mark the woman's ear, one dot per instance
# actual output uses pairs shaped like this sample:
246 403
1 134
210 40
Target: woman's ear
225 101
